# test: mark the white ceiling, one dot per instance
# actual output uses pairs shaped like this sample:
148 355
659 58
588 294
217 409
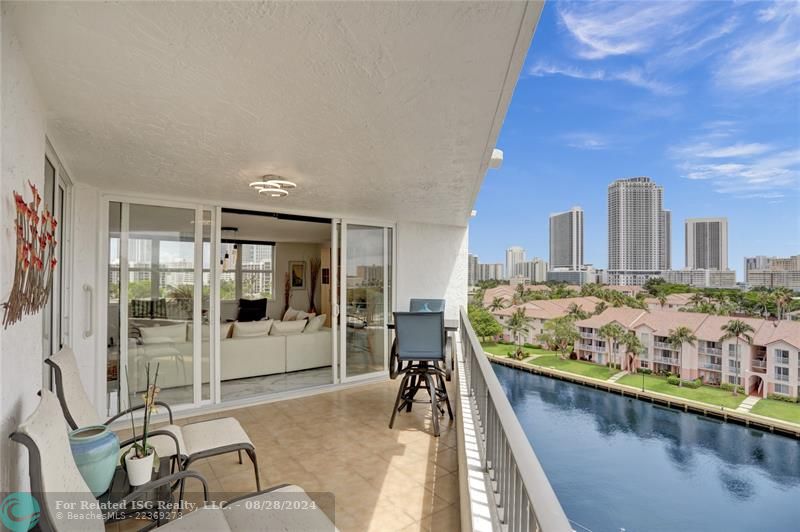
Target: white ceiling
381 110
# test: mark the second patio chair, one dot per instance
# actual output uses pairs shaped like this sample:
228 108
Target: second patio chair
421 343
187 443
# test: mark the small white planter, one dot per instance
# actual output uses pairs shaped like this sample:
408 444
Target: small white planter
140 470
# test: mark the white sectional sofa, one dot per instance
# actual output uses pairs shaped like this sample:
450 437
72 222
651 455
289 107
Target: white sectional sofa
241 357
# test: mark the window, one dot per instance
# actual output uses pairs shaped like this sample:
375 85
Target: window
733 380
645 337
644 364
781 356
733 365
781 373
733 349
782 389
247 271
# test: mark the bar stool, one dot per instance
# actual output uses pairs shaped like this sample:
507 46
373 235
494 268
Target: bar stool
421 343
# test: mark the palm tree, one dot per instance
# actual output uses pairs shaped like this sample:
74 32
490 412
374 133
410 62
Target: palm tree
576 312
633 346
677 338
600 308
497 303
764 300
662 299
612 333
739 330
518 326
783 298
697 299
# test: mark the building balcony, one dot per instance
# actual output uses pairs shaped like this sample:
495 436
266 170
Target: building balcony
393 478
665 360
664 345
588 335
713 367
759 365
782 378
710 351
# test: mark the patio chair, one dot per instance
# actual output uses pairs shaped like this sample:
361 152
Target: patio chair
55 480
421 343
186 443
426 305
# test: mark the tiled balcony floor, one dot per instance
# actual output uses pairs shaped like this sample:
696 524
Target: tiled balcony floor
339 442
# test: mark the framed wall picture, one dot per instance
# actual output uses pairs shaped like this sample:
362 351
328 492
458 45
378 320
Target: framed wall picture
297 274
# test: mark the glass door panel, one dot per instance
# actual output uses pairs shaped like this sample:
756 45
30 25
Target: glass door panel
364 300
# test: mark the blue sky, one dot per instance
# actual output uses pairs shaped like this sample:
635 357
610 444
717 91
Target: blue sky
703 97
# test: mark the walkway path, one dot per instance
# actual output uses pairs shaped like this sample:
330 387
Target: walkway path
748 403
617 376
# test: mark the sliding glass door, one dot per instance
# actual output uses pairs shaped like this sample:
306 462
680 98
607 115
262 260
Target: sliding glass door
159 294
366 299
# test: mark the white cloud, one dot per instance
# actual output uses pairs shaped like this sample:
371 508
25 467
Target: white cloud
752 170
768 57
586 141
604 29
632 76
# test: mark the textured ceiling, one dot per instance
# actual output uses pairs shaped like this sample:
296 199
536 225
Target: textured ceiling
380 110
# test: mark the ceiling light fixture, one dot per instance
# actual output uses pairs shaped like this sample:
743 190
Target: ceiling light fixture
270 185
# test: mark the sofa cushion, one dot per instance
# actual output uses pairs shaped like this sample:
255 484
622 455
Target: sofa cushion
285 328
305 315
173 333
290 314
251 328
315 323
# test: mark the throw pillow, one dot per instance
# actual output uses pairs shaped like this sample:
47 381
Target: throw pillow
251 328
252 309
285 328
315 324
305 315
291 314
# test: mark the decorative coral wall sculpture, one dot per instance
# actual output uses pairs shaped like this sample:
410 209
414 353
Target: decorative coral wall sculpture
36 259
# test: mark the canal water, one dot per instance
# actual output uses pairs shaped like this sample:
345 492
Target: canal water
620 464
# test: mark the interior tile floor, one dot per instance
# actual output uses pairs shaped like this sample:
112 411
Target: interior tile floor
339 442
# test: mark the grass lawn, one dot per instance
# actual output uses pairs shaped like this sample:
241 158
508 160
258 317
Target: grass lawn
587 369
705 394
504 349
778 410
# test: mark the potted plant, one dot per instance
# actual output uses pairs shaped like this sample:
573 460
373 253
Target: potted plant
140 459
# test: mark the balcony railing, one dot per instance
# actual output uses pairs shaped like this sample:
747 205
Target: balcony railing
666 360
587 335
711 350
664 345
522 495
715 367
782 378
762 364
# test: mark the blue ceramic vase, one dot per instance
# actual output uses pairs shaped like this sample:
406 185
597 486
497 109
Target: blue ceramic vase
96 452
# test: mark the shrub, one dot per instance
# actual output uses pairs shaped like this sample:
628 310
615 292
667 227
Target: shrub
528 345
504 342
672 379
693 384
729 387
646 371
784 398
573 356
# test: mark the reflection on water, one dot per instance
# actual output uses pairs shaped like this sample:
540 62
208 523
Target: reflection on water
617 462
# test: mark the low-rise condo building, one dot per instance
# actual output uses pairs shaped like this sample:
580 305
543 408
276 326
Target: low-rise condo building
768 364
540 312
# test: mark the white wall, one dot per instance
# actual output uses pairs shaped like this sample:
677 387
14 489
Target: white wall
284 253
432 263
23 150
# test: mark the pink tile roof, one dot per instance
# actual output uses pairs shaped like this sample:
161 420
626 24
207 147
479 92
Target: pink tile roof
507 291
662 322
625 316
546 309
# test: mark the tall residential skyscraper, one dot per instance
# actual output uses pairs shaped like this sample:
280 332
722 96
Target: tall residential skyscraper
638 231
472 269
706 243
566 239
514 255
666 240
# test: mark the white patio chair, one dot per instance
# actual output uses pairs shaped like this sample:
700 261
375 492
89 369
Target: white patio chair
186 443
56 484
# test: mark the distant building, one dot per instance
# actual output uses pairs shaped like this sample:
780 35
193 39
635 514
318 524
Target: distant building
566 239
574 277
514 255
472 269
701 278
639 238
706 243
488 272
534 271
772 272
